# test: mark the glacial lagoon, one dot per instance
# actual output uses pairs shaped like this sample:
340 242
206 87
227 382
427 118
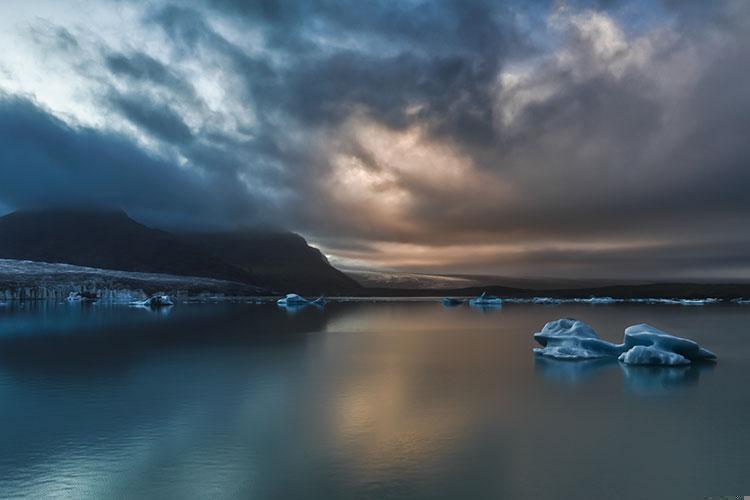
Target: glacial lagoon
375 400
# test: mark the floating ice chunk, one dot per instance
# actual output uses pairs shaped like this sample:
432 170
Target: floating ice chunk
159 300
569 338
292 299
546 300
598 300
485 300
697 302
295 302
644 345
643 355
648 336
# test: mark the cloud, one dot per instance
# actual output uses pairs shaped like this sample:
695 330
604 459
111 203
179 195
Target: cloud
156 118
46 161
553 137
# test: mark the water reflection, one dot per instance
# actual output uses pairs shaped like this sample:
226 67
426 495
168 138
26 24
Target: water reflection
160 311
486 308
359 400
572 372
293 309
656 380
639 380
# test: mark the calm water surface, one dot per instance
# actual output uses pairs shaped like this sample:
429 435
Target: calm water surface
363 401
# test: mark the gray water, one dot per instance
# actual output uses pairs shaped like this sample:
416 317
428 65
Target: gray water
363 401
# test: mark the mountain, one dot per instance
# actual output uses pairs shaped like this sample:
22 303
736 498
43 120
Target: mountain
109 239
105 239
278 259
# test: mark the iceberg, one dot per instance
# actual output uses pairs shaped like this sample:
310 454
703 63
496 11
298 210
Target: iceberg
155 301
598 300
647 345
485 300
292 299
643 344
546 300
569 338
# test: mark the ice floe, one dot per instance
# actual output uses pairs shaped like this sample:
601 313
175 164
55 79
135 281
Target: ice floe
292 299
293 302
485 300
571 339
155 301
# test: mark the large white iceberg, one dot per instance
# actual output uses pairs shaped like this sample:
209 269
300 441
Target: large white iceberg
571 339
646 345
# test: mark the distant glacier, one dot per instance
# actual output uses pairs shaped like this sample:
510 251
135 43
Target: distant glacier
29 280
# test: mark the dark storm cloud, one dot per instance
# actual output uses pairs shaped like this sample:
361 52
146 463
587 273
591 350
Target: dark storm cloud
442 56
594 122
140 67
656 262
45 161
154 117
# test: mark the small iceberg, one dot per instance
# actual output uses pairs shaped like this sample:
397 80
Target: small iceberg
485 300
292 300
155 301
598 300
546 301
571 339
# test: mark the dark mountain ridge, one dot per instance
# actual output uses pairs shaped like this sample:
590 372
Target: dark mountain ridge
278 259
105 239
109 239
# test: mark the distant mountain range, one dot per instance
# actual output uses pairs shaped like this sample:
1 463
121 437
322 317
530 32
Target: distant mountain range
261 260
110 239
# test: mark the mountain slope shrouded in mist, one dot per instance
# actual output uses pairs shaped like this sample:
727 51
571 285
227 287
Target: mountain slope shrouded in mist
105 239
278 259
110 239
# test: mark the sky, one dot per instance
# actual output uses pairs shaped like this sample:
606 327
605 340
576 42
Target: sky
578 139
